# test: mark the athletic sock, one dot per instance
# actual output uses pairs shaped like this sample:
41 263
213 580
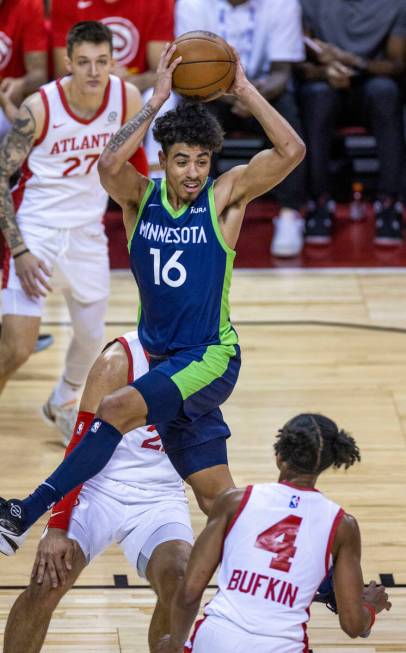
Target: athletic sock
65 391
84 462
61 512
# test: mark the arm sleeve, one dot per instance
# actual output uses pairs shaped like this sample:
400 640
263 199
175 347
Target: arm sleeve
286 35
35 35
61 512
63 16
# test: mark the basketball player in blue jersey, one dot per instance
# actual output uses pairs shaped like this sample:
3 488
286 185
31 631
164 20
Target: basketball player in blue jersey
182 233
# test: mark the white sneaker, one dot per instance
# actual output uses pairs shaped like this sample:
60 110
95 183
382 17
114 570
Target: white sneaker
288 234
63 417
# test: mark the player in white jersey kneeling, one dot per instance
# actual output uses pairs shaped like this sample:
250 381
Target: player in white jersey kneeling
52 221
137 501
276 543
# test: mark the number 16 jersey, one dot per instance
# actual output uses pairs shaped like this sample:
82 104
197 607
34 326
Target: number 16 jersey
183 268
276 553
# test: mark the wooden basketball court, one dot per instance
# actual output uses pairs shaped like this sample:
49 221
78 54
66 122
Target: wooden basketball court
329 342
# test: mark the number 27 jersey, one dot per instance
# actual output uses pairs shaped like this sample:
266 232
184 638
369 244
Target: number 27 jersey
183 268
276 553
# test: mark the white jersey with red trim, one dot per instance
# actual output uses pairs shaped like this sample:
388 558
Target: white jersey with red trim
139 460
59 186
276 553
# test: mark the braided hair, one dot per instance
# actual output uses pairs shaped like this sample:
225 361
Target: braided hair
310 443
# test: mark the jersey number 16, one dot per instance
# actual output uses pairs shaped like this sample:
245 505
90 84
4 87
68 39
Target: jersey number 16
172 264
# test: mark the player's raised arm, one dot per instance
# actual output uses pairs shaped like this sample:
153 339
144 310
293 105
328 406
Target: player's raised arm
14 150
269 167
205 557
119 178
356 607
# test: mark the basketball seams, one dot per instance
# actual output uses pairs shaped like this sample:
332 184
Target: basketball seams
197 88
208 67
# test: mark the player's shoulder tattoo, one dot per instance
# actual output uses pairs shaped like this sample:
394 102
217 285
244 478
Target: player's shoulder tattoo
18 142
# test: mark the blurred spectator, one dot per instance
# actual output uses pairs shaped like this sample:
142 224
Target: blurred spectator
268 37
360 57
23 54
140 30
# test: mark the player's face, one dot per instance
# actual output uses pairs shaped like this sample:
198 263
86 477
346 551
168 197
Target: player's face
90 66
187 168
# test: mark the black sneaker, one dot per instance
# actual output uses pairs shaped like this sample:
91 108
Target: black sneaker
12 532
319 223
388 223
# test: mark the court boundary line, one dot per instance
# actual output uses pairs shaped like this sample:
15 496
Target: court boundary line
270 323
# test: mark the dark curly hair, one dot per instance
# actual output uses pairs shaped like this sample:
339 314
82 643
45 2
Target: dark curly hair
190 123
311 443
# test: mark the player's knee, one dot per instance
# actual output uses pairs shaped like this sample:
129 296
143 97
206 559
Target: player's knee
43 598
205 502
113 409
167 568
12 356
170 579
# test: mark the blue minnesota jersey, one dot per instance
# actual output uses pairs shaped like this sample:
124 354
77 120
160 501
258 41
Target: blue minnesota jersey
183 268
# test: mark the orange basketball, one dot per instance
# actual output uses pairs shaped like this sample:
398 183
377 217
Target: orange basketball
208 66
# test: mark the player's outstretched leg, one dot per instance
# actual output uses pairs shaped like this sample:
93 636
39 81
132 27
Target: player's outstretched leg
28 621
165 572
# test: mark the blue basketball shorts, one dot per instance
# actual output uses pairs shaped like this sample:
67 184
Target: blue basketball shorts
183 393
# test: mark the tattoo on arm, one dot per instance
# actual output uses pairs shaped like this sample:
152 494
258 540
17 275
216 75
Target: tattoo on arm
131 126
14 150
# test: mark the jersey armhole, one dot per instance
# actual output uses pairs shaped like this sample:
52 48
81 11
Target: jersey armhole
144 200
215 222
243 503
337 520
124 343
44 132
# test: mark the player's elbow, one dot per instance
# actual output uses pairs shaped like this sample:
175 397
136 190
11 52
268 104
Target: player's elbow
108 165
352 625
296 151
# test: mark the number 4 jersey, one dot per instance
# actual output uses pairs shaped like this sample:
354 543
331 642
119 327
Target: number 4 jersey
276 553
59 186
183 268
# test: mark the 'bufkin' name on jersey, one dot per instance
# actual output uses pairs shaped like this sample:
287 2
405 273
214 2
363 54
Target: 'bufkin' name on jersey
266 587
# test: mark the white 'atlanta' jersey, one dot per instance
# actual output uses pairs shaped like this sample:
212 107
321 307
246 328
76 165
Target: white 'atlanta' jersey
139 460
59 186
276 553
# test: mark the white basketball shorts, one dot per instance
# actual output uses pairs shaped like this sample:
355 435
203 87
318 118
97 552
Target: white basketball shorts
138 523
220 636
78 259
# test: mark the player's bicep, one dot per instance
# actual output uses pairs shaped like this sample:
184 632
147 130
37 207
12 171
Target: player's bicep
18 142
348 580
125 188
265 171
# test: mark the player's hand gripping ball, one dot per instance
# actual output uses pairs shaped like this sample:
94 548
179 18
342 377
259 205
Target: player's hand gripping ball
207 69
